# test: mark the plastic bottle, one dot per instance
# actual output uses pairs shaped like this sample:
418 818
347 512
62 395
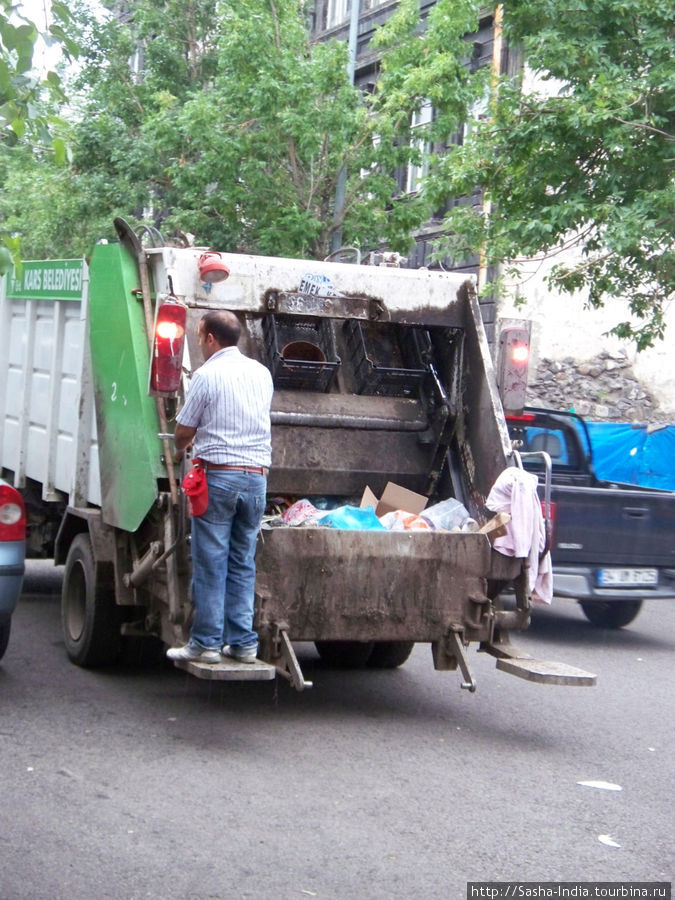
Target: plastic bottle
446 515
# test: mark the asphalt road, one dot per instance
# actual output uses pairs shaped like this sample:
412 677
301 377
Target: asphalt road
143 782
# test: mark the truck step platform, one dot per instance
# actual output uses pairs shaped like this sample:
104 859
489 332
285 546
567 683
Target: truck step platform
545 672
228 670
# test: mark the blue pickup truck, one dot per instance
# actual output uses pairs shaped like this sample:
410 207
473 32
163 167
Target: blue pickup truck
612 544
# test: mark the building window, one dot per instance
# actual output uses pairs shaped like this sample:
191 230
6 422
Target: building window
338 11
416 171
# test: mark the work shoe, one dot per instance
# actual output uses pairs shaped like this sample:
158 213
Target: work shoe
241 654
195 653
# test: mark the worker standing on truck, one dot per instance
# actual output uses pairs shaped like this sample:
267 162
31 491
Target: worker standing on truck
226 417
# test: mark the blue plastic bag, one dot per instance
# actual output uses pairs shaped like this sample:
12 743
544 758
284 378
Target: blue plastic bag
353 518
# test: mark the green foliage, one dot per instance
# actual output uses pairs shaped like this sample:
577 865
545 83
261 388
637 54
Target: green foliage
586 165
23 115
231 126
28 99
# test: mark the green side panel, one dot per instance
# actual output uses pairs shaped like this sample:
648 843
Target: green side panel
127 420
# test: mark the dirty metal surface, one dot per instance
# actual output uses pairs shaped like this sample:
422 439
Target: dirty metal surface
321 461
545 672
317 305
368 585
228 670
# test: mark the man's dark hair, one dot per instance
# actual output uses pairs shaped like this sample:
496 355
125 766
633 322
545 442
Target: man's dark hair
223 325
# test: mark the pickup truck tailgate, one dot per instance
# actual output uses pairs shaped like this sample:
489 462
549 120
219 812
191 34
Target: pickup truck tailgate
618 526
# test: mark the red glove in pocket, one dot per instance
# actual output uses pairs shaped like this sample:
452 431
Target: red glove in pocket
196 490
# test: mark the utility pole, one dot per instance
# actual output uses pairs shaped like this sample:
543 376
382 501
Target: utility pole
340 189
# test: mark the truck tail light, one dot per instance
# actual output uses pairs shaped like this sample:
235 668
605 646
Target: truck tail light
167 349
514 358
12 514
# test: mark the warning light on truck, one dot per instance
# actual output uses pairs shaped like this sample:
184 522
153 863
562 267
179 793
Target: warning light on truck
514 356
167 349
212 268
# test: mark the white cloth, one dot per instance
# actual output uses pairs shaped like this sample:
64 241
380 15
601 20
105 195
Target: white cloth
515 492
229 404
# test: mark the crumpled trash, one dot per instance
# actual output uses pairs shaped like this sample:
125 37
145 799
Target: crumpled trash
602 785
608 841
301 512
400 520
353 518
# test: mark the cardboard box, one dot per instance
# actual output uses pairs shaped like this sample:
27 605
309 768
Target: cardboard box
496 527
394 497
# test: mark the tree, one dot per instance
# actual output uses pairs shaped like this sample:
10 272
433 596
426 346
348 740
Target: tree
227 125
584 163
231 125
28 97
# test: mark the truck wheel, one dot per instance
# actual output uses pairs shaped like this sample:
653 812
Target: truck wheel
90 620
390 654
5 628
611 615
344 654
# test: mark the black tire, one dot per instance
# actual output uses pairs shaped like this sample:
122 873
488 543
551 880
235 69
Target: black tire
611 615
90 620
5 629
390 654
344 654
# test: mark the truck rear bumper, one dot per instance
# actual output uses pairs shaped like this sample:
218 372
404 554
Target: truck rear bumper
579 583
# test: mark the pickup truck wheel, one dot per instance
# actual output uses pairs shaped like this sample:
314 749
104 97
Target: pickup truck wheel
5 628
611 615
90 620
344 654
390 654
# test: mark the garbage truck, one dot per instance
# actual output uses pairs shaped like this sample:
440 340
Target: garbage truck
383 382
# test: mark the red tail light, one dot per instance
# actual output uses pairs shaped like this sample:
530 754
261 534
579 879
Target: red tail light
167 349
12 514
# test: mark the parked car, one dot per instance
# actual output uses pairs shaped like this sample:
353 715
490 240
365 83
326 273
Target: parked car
12 556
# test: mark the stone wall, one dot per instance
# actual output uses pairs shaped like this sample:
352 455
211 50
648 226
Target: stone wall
603 388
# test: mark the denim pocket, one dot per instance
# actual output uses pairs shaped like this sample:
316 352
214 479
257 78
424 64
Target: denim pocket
222 502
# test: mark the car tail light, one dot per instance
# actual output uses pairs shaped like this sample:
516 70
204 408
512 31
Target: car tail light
525 419
12 514
514 358
167 349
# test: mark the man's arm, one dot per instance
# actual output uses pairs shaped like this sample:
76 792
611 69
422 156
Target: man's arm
182 438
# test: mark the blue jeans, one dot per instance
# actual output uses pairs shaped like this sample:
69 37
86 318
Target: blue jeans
223 564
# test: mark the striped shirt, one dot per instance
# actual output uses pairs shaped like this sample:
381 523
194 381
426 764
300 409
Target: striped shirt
229 404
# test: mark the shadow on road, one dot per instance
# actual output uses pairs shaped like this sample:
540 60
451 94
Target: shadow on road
564 623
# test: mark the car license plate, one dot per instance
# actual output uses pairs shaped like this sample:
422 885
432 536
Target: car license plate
627 577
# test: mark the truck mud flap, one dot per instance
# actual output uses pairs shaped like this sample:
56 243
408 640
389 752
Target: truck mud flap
228 670
522 665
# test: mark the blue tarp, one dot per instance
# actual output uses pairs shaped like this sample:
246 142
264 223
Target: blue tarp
632 454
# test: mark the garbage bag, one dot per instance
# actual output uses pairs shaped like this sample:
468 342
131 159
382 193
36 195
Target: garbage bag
400 520
353 518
